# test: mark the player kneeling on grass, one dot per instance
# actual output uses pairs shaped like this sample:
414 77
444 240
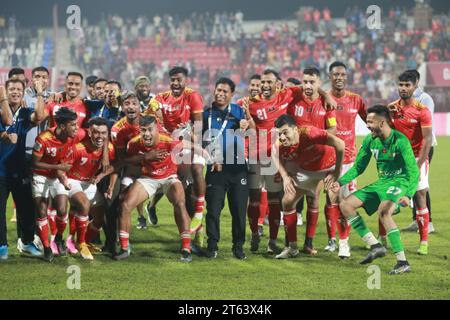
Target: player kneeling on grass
297 144
398 176
152 149
80 184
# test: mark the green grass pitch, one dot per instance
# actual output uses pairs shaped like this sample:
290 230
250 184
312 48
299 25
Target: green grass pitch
154 272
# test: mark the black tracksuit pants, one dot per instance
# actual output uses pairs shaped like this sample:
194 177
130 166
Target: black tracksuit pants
26 221
231 181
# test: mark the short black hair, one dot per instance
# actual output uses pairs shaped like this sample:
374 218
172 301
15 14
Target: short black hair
312 71
146 120
115 82
90 80
336 64
97 121
15 71
294 81
285 119
100 80
64 115
74 73
380 110
178 69
408 77
271 71
40 68
415 73
15 80
227 81
255 77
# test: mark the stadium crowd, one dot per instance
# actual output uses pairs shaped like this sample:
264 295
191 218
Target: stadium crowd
372 55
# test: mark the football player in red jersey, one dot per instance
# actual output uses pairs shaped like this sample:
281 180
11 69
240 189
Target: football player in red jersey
303 163
80 183
152 149
121 133
350 105
50 153
179 109
413 119
71 99
308 109
264 111
254 90
294 82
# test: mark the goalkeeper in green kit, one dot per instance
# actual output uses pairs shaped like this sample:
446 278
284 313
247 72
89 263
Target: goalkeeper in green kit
398 178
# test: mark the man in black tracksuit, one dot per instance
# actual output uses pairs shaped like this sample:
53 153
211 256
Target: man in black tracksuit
227 172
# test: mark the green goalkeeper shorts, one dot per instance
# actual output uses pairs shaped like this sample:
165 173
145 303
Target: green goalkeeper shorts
377 192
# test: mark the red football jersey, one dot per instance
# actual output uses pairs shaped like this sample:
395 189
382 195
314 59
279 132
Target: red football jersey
155 169
177 111
265 112
348 107
241 102
311 153
410 120
311 113
52 151
247 99
122 132
80 109
86 160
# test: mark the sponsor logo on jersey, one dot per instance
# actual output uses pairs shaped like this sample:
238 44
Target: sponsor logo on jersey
390 173
344 133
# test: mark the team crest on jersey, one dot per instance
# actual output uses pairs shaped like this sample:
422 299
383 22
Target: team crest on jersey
270 109
339 108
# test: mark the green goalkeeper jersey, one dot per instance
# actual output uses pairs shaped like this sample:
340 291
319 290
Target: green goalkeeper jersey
395 160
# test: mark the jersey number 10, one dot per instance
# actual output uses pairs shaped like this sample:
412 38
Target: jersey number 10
299 111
